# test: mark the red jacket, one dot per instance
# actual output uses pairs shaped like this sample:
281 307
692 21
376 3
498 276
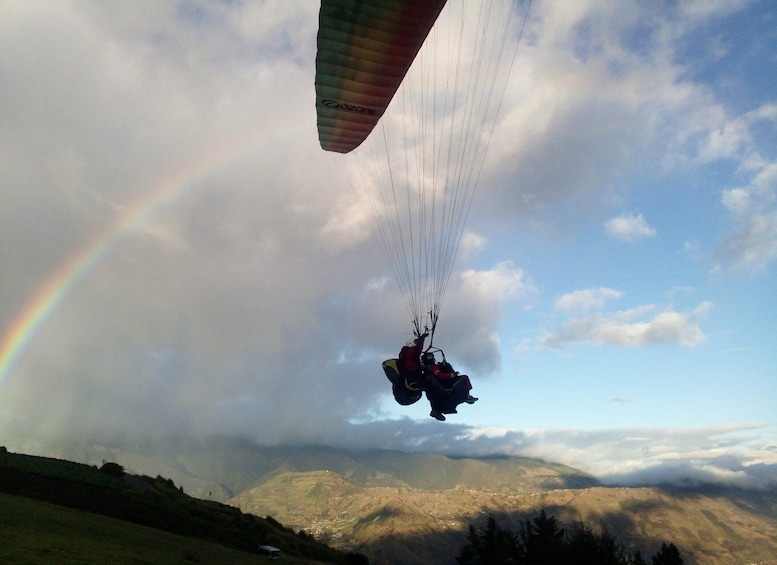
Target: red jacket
440 374
410 356
446 375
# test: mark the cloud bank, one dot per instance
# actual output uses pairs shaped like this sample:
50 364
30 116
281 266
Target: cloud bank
648 324
738 455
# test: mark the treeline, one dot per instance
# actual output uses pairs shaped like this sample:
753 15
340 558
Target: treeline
543 541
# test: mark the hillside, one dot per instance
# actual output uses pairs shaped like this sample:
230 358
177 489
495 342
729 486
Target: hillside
715 528
72 512
415 508
32 531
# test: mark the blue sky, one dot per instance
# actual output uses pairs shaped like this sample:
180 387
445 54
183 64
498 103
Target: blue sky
615 304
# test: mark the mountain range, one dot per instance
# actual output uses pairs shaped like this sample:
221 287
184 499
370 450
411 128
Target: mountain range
416 508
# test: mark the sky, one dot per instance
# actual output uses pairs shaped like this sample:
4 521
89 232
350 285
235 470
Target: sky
180 258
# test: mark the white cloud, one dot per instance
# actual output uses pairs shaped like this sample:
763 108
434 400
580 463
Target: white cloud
350 222
736 200
742 455
471 243
592 92
724 142
629 227
470 331
752 245
726 455
619 329
502 282
588 299
766 112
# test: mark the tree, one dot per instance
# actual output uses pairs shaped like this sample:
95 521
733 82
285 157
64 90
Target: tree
469 552
543 540
584 547
356 559
112 469
492 546
500 545
668 555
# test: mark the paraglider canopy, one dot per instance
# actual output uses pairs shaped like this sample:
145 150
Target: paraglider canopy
444 69
364 51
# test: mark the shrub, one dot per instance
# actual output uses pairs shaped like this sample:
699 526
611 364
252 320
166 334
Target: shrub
112 469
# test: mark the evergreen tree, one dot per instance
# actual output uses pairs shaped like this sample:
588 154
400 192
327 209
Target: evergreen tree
500 545
584 547
543 541
668 555
469 553
493 545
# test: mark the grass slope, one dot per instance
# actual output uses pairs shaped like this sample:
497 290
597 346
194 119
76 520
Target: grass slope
154 503
32 532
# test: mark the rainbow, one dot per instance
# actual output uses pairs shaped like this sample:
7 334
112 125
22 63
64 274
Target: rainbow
60 284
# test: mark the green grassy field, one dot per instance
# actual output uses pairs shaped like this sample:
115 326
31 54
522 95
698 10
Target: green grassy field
32 531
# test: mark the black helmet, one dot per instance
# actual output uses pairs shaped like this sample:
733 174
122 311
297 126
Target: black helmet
428 358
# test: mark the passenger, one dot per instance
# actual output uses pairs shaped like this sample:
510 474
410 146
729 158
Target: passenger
445 388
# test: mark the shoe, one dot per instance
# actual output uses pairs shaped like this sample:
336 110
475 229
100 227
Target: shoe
470 400
437 414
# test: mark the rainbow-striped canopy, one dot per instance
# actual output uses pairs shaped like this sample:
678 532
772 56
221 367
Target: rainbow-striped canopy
365 48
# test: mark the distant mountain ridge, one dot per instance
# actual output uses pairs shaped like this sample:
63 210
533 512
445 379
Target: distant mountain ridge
220 468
